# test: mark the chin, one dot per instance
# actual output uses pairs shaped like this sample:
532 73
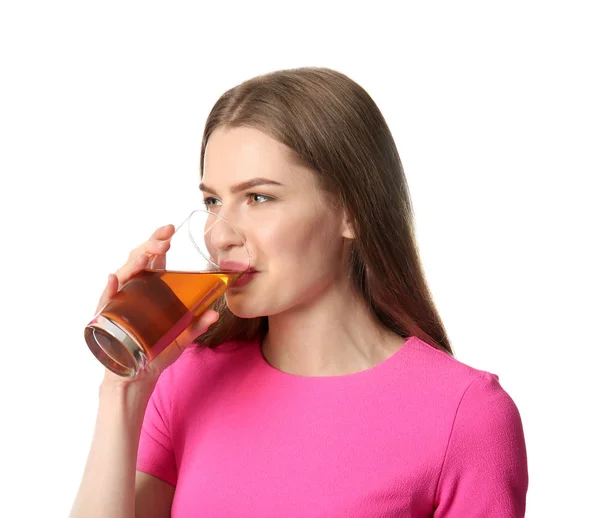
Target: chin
242 307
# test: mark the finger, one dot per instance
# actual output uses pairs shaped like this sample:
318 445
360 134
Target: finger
158 261
131 268
112 286
170 354
163 232
150 247
202 323
157 246
198 327
153 245
150 254
158 249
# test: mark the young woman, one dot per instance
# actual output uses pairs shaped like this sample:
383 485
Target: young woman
326 385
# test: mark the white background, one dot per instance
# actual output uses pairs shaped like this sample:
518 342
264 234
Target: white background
494 106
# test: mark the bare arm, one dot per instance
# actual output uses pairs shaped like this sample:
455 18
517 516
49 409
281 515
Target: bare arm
111 487
108 485
153 496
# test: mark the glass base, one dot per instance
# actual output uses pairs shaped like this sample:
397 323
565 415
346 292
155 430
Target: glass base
114 347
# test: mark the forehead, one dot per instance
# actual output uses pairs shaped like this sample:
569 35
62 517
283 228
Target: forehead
234 155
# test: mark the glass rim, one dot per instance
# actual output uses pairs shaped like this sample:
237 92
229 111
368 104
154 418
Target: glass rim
195 244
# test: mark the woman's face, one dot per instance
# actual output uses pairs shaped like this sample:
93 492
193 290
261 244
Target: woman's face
296 236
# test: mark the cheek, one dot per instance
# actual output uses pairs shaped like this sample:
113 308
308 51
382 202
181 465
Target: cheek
299 259
297 246
274 242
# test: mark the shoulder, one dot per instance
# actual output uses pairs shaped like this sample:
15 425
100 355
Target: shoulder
199 363
443 370
472 394
483 469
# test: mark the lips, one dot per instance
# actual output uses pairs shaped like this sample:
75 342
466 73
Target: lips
244 279
234 266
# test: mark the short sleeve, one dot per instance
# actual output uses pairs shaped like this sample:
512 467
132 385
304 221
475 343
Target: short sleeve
484 472
155 452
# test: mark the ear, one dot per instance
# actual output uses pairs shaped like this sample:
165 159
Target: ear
347 230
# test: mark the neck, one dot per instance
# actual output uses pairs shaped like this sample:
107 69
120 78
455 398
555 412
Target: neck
335 334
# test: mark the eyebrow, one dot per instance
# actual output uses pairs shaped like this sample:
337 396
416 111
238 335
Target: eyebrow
254 182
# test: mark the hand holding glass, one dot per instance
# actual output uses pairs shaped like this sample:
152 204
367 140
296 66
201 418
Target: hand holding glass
158 304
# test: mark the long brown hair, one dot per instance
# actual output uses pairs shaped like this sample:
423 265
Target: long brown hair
335 128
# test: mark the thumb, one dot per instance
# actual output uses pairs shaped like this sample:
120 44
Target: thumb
174 350
202 323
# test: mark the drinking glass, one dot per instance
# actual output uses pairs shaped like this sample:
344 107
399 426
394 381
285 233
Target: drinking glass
156 305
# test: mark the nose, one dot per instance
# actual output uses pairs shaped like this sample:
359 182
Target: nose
222 238
220 235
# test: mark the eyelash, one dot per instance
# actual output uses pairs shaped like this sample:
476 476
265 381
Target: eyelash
249 196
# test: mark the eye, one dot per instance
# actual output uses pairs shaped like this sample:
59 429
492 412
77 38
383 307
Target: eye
258 198
210 202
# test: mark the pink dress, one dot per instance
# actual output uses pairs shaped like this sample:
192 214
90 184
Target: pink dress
418 435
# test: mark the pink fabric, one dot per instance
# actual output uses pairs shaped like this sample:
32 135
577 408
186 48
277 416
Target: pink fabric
419 435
